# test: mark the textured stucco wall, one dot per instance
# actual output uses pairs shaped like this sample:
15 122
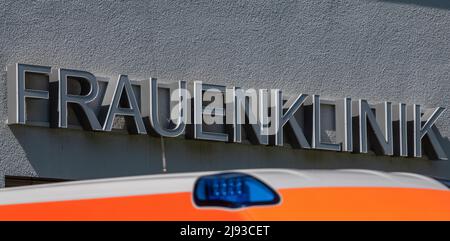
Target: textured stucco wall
378 50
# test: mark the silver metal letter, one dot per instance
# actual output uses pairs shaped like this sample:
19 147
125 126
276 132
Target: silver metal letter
344 133
286 114
86 114
381 127
316 142
149 104
400 130
113 97
199 111
17 93
419 130
243 109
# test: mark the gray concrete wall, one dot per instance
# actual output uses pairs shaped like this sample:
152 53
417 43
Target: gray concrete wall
396 50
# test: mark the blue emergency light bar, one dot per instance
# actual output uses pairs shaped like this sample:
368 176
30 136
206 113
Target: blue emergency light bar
233 190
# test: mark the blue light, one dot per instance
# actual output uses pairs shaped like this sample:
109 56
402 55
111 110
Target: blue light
233 190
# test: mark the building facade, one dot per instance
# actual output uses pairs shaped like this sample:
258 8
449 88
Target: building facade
394 50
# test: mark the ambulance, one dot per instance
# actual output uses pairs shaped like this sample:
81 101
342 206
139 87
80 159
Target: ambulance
254 194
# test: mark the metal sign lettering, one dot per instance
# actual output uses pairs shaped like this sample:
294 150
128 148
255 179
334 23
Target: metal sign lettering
221 113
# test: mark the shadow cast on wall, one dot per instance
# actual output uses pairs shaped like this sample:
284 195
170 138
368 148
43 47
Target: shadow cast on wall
444 4
77 154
